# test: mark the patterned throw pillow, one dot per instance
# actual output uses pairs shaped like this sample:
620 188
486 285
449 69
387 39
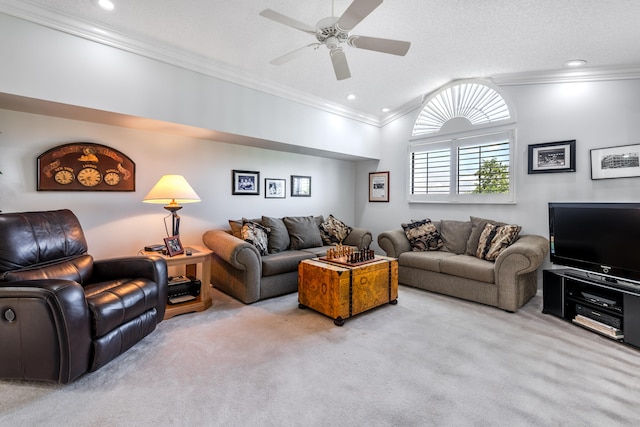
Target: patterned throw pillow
494 239
257 235
334 231
423 235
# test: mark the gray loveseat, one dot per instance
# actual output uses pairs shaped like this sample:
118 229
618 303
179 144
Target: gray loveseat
456 270
240 270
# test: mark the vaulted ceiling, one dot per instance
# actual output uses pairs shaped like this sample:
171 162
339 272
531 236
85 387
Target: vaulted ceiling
508 40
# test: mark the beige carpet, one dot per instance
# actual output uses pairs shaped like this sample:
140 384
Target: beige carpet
430 360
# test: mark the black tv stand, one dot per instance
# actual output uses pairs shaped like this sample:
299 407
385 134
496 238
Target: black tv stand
601 304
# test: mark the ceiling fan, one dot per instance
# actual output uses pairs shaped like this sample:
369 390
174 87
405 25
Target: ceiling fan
333 32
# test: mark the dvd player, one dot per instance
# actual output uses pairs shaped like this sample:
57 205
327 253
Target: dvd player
598 316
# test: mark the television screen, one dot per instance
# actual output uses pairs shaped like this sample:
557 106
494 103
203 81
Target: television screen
598 237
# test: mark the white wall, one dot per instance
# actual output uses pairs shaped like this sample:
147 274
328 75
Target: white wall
118 223
595 114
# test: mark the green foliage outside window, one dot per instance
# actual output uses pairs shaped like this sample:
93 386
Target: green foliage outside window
493 177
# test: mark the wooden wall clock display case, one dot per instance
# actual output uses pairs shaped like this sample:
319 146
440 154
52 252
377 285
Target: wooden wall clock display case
85 166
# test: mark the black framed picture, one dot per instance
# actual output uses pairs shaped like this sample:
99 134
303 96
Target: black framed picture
300 186
245 182
174 247
552 157
275 188
615 162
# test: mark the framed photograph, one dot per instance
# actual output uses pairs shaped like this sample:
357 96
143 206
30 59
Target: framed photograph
245 182
615 162
174 247
275 188
379 186
300 186
552 157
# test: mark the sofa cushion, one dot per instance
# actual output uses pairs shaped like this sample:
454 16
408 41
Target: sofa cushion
429 260
423 235
477 225
257 235
236 225
303 231
283 262
496 238
334 231
469 267
455 235
278 236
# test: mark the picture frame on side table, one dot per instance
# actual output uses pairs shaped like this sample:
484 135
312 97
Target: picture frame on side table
615 162
378 186
300 186
275 188
174 247
245 183
551 157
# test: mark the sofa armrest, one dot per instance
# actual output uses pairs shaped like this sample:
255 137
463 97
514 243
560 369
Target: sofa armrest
236 252
523 257
394 242
45 329
359 237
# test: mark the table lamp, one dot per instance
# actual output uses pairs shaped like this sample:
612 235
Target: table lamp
172 190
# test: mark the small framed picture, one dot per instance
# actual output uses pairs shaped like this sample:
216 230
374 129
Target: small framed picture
615 162
245 182
300 186
552 157
275 188
174 247
379 186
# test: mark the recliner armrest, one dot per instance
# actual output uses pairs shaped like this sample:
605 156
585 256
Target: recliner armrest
45 330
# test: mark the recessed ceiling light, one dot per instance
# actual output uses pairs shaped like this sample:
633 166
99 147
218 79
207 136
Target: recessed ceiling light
386 110
106 5
351 97
575 63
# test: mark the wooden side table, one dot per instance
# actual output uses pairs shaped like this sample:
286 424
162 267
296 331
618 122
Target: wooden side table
198 265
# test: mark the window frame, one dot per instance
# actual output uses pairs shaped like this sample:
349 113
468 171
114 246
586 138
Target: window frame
453 142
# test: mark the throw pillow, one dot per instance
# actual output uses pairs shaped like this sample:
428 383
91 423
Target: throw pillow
257 235
278 236
303 232
423 235
334 231
455 235
236 225
494 239
477 225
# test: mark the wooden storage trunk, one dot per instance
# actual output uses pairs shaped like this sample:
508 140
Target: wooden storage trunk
341 292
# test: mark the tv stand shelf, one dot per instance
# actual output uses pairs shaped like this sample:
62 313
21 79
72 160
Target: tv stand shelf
605 307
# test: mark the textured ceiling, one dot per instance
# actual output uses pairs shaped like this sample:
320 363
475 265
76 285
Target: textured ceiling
450 39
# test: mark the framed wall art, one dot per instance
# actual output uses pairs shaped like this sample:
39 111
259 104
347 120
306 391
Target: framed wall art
85 166
245 182
379 186
615 162
552 157
275 188
174 246
300 186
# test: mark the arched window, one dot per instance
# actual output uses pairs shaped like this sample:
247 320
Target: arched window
473 163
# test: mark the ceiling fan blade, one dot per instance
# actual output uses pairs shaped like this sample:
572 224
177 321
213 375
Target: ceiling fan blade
394 47
289 22
356 12
291 55
340 66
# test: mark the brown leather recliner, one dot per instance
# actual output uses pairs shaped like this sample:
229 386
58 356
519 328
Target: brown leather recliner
62 314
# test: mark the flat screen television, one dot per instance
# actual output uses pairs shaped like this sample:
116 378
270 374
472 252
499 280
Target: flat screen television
602 238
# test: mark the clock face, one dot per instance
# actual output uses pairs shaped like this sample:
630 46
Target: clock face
89 177
64 177
112 178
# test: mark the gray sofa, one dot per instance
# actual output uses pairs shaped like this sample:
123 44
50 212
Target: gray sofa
240 270
455 269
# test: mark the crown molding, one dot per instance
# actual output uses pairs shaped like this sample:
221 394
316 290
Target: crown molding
587 74
148 48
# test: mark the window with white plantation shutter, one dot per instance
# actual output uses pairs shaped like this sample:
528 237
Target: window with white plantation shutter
474 162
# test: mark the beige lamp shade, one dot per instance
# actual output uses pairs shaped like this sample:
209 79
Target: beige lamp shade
172 190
